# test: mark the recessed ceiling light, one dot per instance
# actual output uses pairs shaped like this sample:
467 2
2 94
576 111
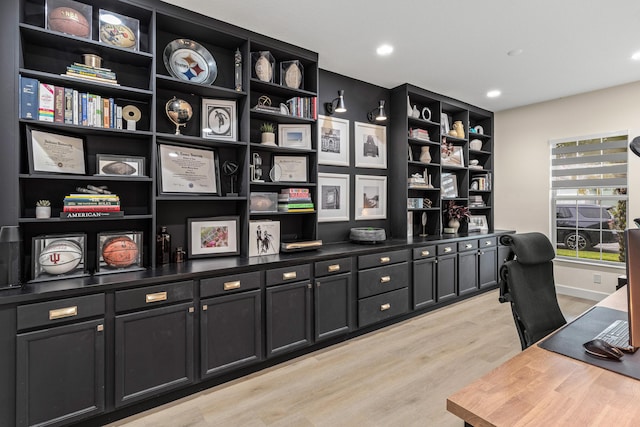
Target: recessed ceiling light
636 56
515 52
494 93
384 49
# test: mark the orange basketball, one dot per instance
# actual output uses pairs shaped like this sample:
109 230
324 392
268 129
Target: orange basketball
120 252
68 20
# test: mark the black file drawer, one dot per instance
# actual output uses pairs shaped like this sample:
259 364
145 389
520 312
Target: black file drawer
489 242
229 284
382 279
294 273
447 248
467 245
424 252
58 311
381 307
334 266
382 258
154 296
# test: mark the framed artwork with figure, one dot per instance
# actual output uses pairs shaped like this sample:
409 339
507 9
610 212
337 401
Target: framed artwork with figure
370 145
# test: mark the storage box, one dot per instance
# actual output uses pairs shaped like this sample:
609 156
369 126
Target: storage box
263 202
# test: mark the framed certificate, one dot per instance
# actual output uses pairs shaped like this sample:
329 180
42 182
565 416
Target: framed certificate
55 153
290 168
188 170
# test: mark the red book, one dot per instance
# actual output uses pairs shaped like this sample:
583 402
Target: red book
102 208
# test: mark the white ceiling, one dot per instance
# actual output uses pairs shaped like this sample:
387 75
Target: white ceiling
457 48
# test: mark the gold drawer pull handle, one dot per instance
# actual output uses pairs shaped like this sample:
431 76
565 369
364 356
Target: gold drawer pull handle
447 249
158 296
100 328
385 279
384 259
333 268
228 286
468 246
425 253
290 275
384 307
488 243
205 307
61 313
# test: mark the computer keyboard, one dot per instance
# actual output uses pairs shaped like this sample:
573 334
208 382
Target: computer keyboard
617 334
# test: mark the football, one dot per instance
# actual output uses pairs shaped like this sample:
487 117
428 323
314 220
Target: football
117 35
60 256
68 20
120 252
118 168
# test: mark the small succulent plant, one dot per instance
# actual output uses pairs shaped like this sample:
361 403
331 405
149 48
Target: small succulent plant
43 203
267 127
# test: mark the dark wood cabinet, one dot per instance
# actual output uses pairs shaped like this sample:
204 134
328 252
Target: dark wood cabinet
487 262
424 277
467 266
288 317
447 271
332 305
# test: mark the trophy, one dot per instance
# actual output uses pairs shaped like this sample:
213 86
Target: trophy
179 112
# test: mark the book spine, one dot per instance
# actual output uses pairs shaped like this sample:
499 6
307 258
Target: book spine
296 205
83 109
119 117
97 114
91 214
76 107
58 104
90 208
90 109
112 113
106 113
68 105
81 202
45 102
29 98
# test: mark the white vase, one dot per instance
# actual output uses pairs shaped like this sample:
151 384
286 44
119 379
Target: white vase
415 112
409 109
425 155
43 211
455 224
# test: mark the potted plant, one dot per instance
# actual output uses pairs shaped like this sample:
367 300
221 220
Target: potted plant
456 213
268 133
43 209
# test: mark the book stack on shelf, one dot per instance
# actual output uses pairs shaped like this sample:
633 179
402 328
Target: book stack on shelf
82 205
295 200
475 201
419 134
306 108
87 72
481 182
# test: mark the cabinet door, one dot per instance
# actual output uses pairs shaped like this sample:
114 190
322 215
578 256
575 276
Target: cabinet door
154 352
447 277
332 306
467 272
60 374
288 317
488 267
424 280
230 332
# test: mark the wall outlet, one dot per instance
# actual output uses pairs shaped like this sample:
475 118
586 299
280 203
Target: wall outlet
597 278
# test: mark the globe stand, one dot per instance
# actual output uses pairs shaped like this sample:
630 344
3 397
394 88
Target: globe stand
179 112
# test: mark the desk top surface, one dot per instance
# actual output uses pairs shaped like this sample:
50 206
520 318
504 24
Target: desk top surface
538 387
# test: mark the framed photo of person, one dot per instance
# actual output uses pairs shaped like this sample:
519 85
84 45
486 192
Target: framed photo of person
55 153
333 204
371 197
370 145
294 136
210 237
188 170
219 120
333 141
264 238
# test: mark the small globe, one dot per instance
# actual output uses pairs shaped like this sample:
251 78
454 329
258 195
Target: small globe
179 112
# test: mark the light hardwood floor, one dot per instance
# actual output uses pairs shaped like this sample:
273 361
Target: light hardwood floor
397 376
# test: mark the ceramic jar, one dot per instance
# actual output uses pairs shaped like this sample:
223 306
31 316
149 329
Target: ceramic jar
43 211
454 224
268 138
425 155
459 128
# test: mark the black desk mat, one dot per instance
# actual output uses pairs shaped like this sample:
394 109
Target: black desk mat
568 341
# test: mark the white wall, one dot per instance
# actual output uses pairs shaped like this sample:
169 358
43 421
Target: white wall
522 168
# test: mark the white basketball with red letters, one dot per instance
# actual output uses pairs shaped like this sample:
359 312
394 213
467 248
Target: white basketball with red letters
60 256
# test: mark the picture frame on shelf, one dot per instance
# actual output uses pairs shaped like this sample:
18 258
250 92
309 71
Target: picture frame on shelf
58 256
449 185
219 119
117 165
213 236
264 238
69 17
292 74
290 169
370 145
333 141
188 170
118 30
295 136
51 152
454 157
334 200
370 197
119 252
444 124
478 223
263 202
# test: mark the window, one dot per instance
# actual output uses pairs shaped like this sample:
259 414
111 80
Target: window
589 197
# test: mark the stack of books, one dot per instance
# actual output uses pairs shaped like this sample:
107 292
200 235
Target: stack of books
86 72
419 134
475 201
295 200
91 206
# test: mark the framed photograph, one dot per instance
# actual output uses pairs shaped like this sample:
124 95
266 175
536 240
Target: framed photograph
370 145
58 256
449 185
371 197
289 169
110 164
219 120
333 141
210 237
119 30
263 202
454 157
478 223
119 252
444 124
188 170
69 17
294 136
334 197
264 238
55 153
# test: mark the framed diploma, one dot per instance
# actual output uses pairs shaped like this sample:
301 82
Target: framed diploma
290 168
188 170
55 153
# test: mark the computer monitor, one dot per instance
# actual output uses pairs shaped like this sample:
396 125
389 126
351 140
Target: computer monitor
632 240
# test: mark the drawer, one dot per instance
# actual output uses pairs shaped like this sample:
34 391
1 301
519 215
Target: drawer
229 284
489 242
424 252
54 312
382 258
447 248
334 266
467 245
382 279
382 307
294 273
152 296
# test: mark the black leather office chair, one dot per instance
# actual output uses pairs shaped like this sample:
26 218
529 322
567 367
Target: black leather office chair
526 281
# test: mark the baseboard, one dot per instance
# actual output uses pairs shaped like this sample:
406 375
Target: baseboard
581 293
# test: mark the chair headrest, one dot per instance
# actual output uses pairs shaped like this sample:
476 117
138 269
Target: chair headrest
529 248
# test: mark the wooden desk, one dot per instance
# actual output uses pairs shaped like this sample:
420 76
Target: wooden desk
541 388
